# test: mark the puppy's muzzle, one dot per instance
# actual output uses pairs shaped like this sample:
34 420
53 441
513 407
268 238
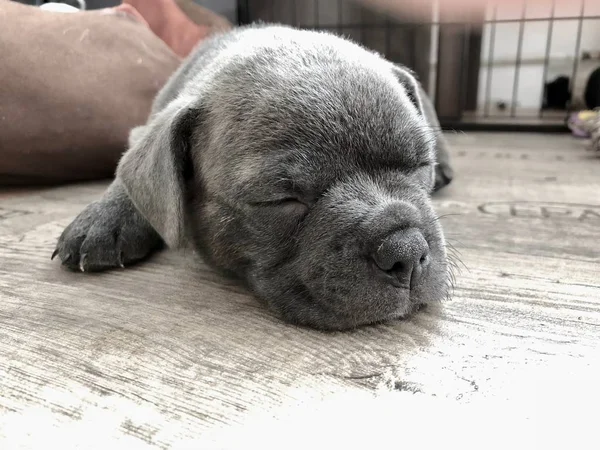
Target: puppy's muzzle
402 258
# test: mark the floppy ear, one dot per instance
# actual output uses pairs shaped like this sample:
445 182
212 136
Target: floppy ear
156 168
409 81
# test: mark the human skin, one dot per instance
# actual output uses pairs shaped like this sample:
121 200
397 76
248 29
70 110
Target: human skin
454 10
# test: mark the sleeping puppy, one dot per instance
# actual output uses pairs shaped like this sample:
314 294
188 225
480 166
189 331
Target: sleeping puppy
295 160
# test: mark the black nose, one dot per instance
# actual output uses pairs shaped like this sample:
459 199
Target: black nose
402 258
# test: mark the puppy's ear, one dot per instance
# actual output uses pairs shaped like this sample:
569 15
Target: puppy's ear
409 81
156 168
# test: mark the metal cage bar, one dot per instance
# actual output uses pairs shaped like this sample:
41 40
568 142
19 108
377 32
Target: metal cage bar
577 48
513 101
547 55
407 47
340 16
490 66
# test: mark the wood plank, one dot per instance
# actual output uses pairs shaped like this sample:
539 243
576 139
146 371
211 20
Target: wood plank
170 355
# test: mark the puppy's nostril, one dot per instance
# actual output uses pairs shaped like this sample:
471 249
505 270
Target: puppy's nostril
398 267
402 258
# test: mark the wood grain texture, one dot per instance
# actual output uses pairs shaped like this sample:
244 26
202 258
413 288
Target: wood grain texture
168 354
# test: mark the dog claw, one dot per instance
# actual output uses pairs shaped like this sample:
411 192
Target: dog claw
66 258
82 262
54 255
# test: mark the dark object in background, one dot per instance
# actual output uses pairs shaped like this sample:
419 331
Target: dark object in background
592 90
557 93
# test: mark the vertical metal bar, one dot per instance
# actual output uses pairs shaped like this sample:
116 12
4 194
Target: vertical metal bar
272 16
412 45
362 27
473 65
465 64
449 55
547 56
488 83
577 49
513 103
388 38
294 13
243 12
340 18
433 59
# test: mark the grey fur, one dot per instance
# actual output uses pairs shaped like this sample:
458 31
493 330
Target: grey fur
285 157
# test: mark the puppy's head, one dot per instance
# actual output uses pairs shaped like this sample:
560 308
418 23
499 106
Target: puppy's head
307 173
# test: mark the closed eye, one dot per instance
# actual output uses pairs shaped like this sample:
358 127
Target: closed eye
425 174
424 164
288 205
278 202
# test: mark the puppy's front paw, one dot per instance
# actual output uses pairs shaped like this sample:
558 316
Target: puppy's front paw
443 175
106 235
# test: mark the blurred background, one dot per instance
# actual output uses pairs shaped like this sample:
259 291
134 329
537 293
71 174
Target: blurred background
514 66
521 66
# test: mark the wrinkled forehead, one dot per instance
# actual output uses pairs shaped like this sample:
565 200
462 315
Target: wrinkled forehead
309 167
314 132
360 140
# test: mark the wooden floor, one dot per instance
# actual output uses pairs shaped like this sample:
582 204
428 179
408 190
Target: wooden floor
169 355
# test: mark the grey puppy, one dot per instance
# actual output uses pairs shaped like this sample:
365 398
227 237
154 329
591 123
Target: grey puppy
296 160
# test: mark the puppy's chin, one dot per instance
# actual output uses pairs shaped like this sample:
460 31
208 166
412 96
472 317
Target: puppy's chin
369 302
305 311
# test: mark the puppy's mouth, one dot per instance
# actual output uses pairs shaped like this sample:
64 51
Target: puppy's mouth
400 273
364 294
403 283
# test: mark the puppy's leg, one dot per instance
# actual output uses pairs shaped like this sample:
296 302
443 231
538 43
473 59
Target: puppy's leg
108 233
443 171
